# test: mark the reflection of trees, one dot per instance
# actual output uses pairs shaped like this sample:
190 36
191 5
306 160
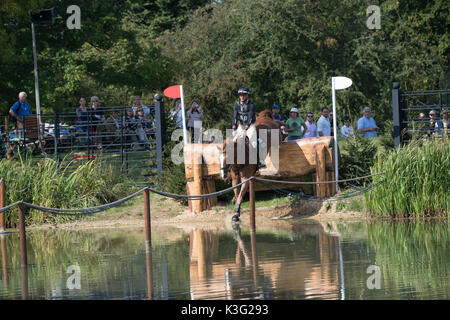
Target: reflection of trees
413 256
270 268
113 265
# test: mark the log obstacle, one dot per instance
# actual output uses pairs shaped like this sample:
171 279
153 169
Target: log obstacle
298 160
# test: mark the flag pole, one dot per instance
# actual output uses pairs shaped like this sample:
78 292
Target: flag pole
183 115
336 169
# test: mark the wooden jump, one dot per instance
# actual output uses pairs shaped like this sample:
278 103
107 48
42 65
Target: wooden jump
297 160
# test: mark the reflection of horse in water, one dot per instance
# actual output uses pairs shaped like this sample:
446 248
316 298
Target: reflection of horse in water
310 271
242 171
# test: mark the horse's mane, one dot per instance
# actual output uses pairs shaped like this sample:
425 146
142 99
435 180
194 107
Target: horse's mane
265 119
265 114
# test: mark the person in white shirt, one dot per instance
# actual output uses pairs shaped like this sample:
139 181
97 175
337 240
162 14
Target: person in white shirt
311 131
346 129
323 124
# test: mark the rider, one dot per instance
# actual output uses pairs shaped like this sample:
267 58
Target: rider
244 119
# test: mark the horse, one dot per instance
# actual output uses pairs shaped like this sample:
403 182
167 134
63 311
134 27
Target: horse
240 172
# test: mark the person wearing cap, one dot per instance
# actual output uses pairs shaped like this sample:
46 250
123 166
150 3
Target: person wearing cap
346 129
294 125
244 119
276 113
367 125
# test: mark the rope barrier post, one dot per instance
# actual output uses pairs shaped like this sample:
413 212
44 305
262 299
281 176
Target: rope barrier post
4 266
148 231
252 204
23 251
22 236
2 204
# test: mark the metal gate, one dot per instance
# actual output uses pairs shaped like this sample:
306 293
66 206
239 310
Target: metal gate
128 139
413 113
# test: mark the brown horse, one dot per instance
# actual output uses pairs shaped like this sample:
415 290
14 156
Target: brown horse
240 172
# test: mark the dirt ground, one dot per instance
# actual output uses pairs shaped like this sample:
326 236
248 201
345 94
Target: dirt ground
166 212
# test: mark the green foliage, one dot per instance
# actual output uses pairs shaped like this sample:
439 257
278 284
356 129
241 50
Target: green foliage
287 52
44 183
357 157
415 183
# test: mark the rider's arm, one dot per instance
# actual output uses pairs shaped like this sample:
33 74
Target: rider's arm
235 114
251 112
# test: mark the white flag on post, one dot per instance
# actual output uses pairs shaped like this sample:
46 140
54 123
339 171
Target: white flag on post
337 83
342 83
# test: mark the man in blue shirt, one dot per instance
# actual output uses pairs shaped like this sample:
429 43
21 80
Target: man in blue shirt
367 125
20 109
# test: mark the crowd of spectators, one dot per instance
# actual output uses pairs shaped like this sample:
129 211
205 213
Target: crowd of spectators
134 126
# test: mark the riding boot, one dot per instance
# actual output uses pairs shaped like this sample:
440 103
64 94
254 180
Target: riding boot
235 218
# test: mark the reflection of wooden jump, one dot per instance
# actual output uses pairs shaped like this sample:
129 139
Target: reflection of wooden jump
297 159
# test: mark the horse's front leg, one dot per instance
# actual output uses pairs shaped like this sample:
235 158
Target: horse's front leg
239 200
235 179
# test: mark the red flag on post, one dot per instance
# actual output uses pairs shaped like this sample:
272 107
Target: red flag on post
173 92
177 92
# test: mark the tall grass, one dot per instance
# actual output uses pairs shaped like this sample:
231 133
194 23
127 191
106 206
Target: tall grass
416 182
48 184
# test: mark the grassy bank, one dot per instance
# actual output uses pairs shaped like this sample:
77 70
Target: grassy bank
45 183
416 182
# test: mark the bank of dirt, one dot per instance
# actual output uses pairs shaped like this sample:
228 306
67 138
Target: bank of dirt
167 212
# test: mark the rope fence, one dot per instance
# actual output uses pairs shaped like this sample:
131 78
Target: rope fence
263 181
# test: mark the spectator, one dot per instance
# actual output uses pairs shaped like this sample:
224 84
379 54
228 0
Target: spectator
276 114
194 119
294 125
367 125
130 127
445 122
346 129
142 128
113 125
330 117
176 113
311 131
422 125
435 124
137 104
323 124
82 122
97 119
18 110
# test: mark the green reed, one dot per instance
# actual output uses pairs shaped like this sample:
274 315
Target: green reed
416 181
47 183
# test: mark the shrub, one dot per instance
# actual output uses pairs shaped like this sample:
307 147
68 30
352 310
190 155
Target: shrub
415 183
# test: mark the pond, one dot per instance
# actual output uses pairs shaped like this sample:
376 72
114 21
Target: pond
297 260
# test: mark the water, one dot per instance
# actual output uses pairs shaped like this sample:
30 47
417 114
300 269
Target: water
301 260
